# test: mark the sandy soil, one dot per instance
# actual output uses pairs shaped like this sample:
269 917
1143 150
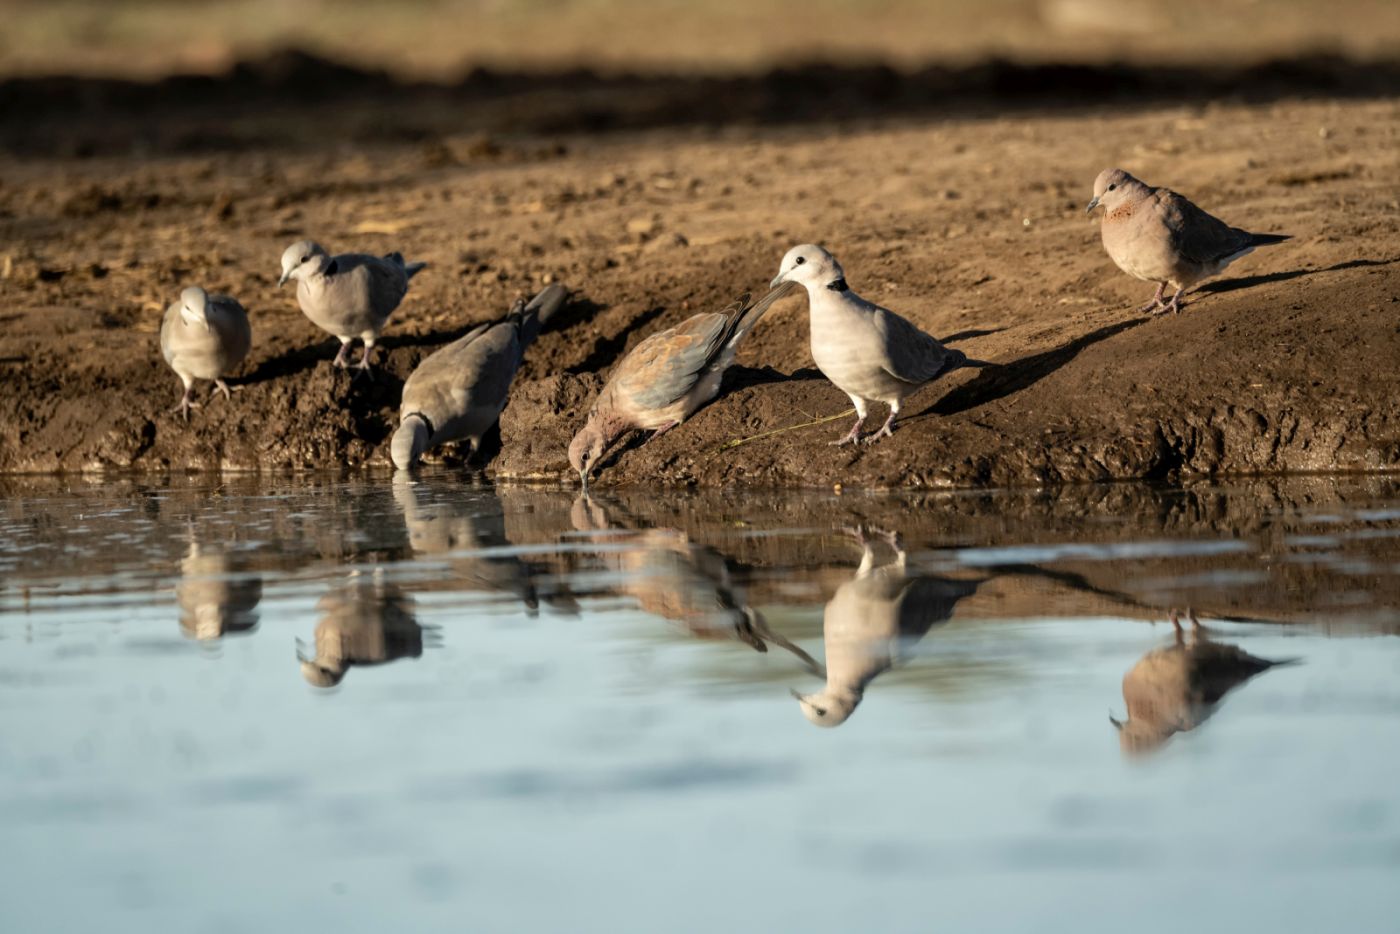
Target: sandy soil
968 222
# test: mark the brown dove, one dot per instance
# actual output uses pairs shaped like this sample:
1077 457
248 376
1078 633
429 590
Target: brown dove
666 378
1156 235
1176 688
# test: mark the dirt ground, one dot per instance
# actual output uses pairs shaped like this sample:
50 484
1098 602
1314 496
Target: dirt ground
968 221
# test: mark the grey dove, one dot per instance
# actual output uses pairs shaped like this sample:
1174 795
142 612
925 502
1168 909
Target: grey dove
869 353
666 378
869 620
366 621
351 295
1157 235
216 596
204 336
459 391
1176 688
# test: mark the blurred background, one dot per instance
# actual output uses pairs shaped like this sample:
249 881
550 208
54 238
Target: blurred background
442 39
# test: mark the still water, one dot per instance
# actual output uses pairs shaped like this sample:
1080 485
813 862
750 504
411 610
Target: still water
372 705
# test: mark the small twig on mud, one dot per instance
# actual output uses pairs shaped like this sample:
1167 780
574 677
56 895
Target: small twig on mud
777 431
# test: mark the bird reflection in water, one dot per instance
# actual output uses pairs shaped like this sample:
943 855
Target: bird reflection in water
1176 688
215 598
461 526
365 621
870 619
670 576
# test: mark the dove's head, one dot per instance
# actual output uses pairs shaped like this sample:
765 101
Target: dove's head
811 266
319 676
826 708
1114 187
586 450
410 441
194 302
301 259
1138 737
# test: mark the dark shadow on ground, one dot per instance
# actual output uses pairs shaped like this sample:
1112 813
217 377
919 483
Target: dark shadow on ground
1245 282
998 381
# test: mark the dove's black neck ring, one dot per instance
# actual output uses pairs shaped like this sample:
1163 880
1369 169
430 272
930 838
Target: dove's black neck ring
424 419
838 285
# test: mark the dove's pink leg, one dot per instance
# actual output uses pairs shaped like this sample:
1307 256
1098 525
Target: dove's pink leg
363 365
1156 304
342 359
659 432
222 387
1174 306
854 434
186 402
887 428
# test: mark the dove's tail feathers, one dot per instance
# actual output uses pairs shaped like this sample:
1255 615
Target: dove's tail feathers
534 316
413 269
746 319
1258 239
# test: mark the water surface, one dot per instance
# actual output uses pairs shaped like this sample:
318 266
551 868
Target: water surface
369 705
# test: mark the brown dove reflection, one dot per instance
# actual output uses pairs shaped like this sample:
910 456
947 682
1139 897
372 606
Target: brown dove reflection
869 619
215 599
1176 688
680 580
365 621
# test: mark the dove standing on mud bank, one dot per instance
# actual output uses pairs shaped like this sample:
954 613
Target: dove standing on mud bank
459 391
666 378
870 353
1156 235
350 295
204 336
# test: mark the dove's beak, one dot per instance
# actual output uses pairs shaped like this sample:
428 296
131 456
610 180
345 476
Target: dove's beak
283 281
1092 204
802 698
778 280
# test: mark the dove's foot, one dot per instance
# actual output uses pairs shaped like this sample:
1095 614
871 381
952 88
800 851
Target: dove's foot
1174 306
852 436
186 403
342 359
885 431
1155 306
221 386
659 432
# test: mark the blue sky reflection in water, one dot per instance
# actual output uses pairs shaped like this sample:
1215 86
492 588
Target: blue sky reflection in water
363 706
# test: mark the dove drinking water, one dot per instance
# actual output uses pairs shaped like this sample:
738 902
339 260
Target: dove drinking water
460 390
351 295
666 378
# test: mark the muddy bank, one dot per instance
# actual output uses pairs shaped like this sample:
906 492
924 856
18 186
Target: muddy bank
971 227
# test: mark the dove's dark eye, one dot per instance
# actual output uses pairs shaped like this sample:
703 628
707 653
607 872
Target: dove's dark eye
801 260
1113 186
821 711
306 257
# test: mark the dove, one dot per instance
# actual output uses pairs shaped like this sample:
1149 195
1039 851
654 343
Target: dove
666 378
869 619
1176 688
1156 235
459 391
677 579
350 296
204 336
365 621
216 596
869 353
